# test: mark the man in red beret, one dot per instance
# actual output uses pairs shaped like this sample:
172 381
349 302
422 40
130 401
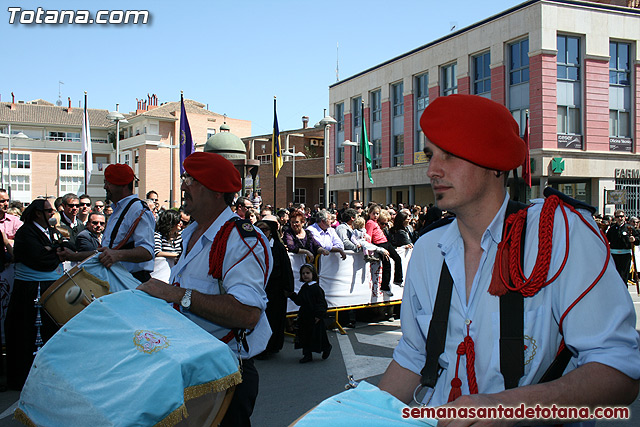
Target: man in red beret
467 343
128 236
221 286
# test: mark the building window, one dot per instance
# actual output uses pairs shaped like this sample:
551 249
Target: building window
568 58
18 161
339 135
265 159
70 184
300 195
356 118
619 90
71 162
397 125
569 90
398 99
519 62
376 130
518 100
64 136
422 100
210 133
376 106
376 154
482 74
449 79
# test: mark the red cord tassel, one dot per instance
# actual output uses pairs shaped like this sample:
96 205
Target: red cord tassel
465 348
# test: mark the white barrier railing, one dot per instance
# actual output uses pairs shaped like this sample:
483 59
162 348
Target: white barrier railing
351 281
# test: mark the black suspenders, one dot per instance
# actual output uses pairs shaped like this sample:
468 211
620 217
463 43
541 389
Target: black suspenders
511 326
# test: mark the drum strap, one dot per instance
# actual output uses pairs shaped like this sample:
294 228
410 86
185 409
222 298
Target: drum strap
114 232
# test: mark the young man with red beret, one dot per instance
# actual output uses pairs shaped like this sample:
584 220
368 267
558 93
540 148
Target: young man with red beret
471 145
221 286
136 253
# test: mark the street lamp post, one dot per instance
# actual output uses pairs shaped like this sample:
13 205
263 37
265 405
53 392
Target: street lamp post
293 156
357 144
117 117
326 122
20 135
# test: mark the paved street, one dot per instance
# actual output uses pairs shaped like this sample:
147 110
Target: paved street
289 389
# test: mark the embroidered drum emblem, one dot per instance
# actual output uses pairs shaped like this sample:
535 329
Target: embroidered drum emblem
149 342
247 227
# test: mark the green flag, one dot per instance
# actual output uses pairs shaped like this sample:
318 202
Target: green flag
364 146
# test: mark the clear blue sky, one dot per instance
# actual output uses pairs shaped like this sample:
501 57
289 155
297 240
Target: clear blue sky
233 55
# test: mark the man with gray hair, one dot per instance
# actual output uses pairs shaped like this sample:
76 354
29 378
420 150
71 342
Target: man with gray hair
324 234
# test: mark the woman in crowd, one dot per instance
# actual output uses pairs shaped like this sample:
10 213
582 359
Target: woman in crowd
400 234
279 286
379 239
252 216
37 267
168 243
298 241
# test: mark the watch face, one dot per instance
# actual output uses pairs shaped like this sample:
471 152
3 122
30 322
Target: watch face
186 299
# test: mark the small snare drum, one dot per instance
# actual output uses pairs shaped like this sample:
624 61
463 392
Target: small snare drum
54 299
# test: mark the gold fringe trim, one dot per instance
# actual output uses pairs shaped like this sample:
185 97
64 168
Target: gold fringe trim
174 417
195 391
215 386
177 415
20 416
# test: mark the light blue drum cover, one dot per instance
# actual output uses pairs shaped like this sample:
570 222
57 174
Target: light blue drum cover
127 359
365 405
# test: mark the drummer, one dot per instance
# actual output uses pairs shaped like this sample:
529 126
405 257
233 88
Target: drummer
227 308
136 226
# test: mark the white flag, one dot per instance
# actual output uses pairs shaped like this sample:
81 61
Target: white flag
85 139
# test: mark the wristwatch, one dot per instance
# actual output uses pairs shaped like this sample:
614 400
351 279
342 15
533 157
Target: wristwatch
186 299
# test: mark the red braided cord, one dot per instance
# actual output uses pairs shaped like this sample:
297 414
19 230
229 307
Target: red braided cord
216 255
537 280
529 286
471 369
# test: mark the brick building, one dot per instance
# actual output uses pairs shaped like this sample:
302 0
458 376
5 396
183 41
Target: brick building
573 65
49 162
309 169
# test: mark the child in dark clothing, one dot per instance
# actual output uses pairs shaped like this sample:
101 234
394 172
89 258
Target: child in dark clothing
312 333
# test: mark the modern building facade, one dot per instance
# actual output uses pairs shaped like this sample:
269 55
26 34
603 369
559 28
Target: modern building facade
572 66
46 153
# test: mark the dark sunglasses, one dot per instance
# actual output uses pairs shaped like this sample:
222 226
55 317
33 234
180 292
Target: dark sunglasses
619 216
97 222
4 201
85 204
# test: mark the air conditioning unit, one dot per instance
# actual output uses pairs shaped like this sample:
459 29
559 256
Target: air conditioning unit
314 142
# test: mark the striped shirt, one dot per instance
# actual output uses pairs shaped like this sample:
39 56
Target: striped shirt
167 245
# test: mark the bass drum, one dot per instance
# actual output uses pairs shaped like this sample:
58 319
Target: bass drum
54 298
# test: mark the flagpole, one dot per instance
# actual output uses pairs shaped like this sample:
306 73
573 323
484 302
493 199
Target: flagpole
273 160
364 160
86 174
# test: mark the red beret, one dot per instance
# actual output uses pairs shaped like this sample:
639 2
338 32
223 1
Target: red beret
475 129
118 174
213 171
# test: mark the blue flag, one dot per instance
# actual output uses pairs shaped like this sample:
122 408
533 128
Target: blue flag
277 149
186 142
